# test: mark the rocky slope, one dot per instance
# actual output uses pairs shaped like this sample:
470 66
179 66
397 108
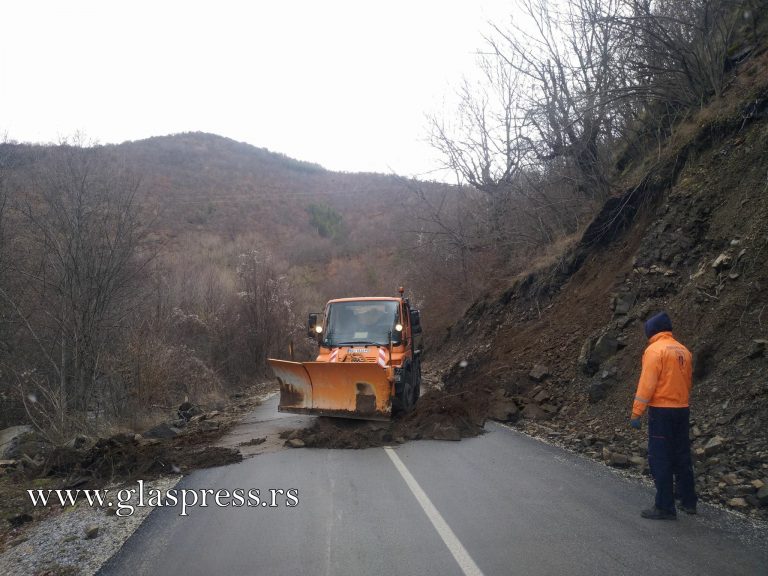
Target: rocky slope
689 235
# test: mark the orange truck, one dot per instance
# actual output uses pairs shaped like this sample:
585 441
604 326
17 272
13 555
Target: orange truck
368 365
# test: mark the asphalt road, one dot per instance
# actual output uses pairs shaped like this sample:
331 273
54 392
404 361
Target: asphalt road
502 503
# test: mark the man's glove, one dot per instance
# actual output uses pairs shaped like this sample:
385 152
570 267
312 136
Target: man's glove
635 423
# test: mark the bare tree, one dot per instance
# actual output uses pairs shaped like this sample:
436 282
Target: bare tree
84 262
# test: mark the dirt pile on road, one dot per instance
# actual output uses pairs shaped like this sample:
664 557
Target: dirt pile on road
437 416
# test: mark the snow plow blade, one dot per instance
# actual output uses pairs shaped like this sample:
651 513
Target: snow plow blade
344 389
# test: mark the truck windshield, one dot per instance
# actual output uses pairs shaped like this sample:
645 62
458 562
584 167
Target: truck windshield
363 322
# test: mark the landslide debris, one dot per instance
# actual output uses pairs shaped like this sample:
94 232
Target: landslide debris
438 416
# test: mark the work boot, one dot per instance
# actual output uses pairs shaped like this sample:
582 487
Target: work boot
657 514
688 509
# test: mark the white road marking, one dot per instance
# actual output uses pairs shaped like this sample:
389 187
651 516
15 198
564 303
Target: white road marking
460 553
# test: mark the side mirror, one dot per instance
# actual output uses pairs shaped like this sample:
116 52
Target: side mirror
415 321
313 328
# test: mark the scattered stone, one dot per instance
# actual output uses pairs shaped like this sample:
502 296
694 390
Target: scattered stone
757 349
721 261
585 357
757 484
91 532
162 431
715 445
539 373
618 460
738 503
541 397
731 479
295 443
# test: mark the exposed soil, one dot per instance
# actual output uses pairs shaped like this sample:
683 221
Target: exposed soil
438 415
688 236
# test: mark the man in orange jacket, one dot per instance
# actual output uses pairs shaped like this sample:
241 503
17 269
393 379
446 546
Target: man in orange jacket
664 387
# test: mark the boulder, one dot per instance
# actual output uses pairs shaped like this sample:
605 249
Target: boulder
762 496
605 347
9 440
541 397
91 531
504 411
295 443
623 303
534 412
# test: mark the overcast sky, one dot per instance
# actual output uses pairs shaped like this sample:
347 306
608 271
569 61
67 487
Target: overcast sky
342 83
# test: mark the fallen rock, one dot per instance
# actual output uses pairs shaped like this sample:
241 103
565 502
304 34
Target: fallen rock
9 440
207 426
597 391
721 261
295 443
91 532
162 431
762 496
715 445
623 303
618 460
19 519
446 432
585 361
541 397
187 410
757 349
539 373
80 442
534 412
605 347
504 411
738 503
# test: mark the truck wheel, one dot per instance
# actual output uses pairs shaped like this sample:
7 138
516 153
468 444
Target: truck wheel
403 400
416 392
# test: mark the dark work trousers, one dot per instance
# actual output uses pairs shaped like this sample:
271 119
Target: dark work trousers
669 455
